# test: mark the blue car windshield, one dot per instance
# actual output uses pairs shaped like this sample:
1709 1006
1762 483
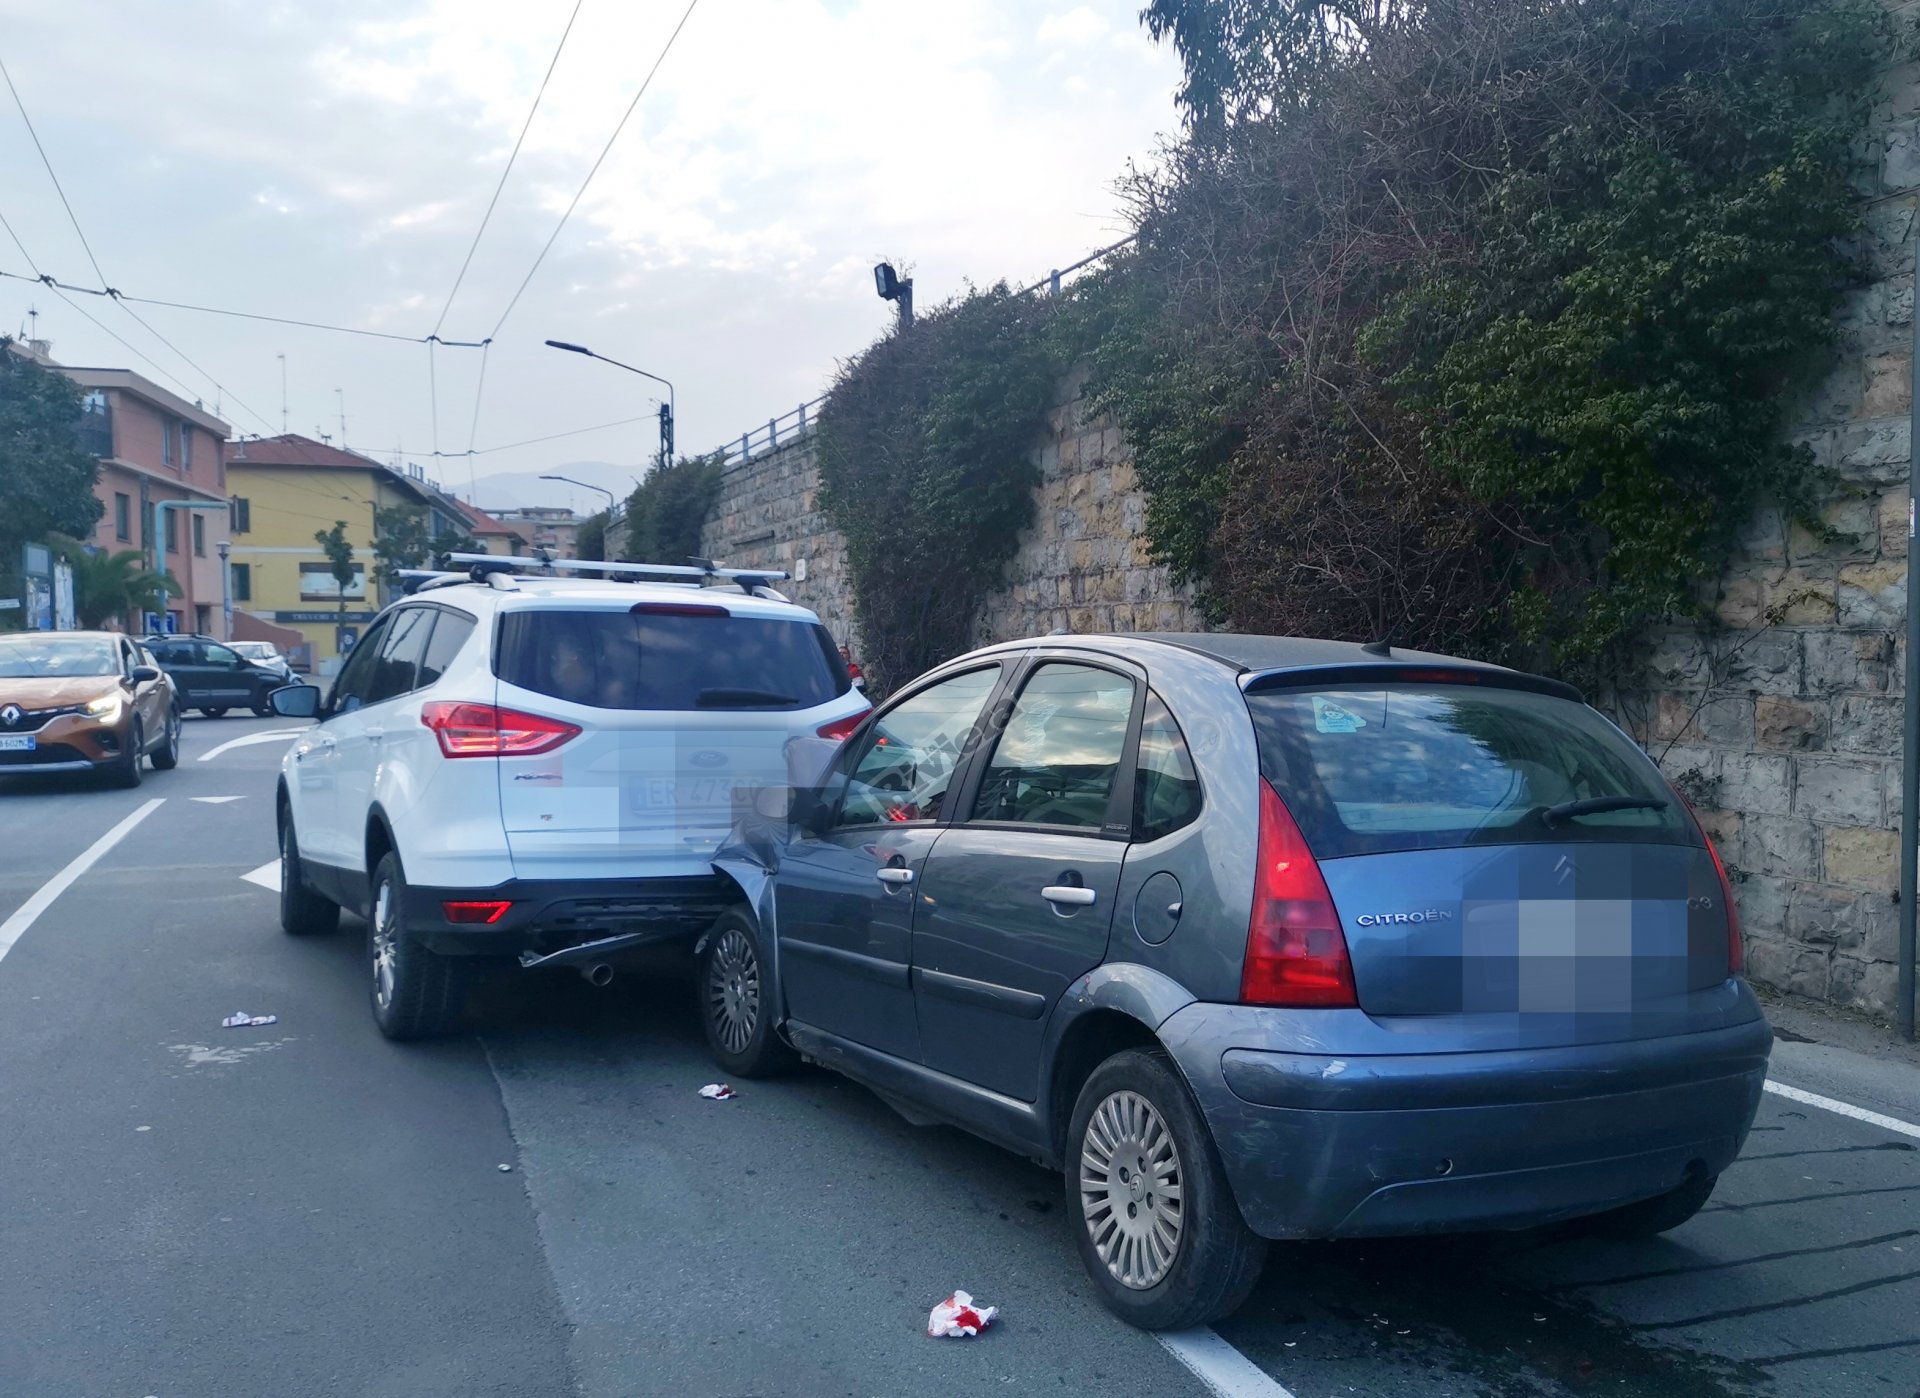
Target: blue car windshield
1367 771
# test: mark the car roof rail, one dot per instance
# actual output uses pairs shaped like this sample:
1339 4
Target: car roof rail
699 571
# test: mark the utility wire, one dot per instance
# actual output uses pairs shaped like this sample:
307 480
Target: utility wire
80 232
114 293
50 175
525 127
598 160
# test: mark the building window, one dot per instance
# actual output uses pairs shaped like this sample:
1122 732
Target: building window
242 582
122 517
199 536
318 584
166 441
241 511
172 528
202 614
186 447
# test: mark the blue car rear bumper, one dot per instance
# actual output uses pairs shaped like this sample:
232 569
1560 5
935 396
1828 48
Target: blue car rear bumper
1326 1146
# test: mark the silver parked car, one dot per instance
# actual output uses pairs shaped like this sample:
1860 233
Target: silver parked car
1257 938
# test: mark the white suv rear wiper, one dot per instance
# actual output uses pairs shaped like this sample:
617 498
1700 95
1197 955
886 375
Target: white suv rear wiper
739 698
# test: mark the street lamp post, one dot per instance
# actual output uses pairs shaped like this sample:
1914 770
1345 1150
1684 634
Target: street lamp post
584 485
669 411
226 589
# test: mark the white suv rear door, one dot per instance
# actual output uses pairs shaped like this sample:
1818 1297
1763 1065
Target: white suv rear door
679 705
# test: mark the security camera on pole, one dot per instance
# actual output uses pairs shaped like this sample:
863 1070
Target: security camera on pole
892 287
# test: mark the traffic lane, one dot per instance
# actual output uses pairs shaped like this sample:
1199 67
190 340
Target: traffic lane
310 1209
789 1241
1798 1278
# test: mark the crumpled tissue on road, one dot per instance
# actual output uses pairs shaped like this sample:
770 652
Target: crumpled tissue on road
957 1317
240 1019
718 1092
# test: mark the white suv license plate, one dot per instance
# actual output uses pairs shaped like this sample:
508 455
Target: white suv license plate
18 742
686 793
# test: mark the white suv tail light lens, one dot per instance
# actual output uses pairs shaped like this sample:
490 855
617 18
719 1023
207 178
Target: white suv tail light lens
486 730
841 729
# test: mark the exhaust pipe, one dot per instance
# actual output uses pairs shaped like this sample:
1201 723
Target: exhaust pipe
598 974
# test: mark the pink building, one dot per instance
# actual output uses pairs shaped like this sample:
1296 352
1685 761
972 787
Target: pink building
154 447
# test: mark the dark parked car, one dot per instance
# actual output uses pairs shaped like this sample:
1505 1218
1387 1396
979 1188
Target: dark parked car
1258 939
213 677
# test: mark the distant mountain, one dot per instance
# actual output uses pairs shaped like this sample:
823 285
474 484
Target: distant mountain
516 490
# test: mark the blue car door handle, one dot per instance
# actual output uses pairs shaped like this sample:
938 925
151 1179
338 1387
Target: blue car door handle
1064 895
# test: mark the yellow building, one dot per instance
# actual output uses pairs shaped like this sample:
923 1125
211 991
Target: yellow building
283 490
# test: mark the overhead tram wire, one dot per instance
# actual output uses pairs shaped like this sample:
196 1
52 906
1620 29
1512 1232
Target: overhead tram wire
598 161
525 126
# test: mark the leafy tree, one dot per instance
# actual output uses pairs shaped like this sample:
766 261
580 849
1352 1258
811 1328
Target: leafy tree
668 509
46 477
339 551
927 466
1479 323
110 587
403 538
590 540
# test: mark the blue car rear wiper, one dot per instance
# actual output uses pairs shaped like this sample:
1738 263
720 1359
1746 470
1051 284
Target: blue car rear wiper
1597 805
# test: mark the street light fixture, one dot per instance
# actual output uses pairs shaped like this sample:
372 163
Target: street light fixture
584 485
669 410
889 285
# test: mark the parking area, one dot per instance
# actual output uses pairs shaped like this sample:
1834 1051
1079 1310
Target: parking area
304 1207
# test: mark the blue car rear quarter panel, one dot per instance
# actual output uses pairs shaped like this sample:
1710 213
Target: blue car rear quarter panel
1319 1141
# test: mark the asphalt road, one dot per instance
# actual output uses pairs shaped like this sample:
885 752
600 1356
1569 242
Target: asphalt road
305 1209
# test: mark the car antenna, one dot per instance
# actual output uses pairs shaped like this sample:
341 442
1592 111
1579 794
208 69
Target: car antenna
1380 648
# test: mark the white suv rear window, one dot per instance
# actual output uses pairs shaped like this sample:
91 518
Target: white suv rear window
666 657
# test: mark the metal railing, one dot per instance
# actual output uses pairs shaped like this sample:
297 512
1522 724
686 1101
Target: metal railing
779 432
790 427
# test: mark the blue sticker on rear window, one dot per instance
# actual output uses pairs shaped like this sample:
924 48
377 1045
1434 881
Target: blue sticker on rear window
1329 717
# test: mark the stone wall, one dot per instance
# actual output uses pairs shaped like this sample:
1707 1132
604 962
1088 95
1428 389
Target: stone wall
1785 722
1081 564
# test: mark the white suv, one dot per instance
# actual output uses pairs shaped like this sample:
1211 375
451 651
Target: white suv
541 768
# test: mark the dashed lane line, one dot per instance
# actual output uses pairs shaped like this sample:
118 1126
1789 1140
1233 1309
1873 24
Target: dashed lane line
1225 1371
29 911
1830 1104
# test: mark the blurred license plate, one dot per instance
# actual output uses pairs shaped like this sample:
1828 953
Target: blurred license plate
17 742
685 793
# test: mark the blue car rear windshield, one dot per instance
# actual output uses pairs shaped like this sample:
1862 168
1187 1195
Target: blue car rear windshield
1404 767
623 660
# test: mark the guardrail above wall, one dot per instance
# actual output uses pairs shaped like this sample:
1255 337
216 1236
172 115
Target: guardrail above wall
779 432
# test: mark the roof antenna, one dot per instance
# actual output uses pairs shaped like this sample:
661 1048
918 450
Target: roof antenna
1380 648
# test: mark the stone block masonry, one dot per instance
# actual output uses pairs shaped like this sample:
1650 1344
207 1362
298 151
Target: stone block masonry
1081 566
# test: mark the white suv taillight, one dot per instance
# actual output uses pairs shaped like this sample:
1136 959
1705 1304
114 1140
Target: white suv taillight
1296 950
841 729
486 730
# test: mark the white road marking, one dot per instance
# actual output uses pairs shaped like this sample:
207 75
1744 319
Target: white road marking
267 876
1829 1104
215 800
275 735
30 911
1225 1371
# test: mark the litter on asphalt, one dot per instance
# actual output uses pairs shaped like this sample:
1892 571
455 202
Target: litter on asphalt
957 1317
718 1092
242 1020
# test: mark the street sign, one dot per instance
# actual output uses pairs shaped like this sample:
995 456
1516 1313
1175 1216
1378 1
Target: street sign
9 604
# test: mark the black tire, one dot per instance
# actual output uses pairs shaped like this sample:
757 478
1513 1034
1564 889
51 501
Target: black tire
1214 1259
303 912
167 756
262 706
127 772
415 994
1651 1217
734 995
215 713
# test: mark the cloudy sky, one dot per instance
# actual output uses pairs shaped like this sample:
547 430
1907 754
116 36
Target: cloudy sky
332 161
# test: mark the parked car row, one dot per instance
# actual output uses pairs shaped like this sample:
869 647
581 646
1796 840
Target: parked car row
1250 938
